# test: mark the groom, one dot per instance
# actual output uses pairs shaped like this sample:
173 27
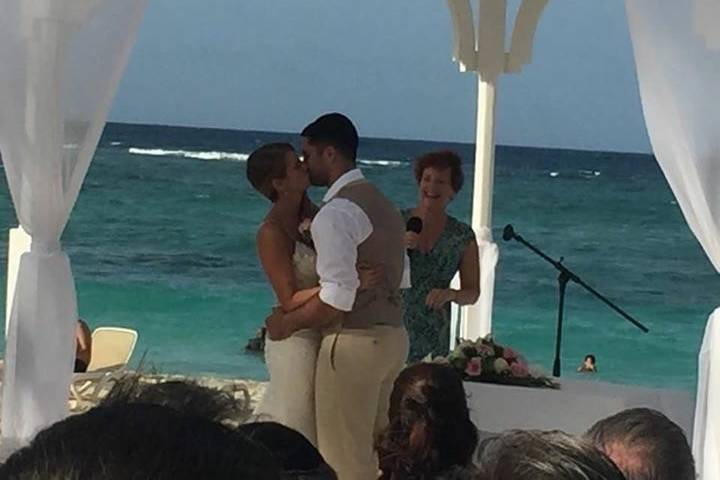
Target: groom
364 344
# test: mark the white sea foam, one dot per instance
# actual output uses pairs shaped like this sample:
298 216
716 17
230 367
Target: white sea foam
380 163
211 155
238 157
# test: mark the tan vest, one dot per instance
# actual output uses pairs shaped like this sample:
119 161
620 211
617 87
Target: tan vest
385 245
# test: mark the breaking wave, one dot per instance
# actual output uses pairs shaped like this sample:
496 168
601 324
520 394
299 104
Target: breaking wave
237 157
212 155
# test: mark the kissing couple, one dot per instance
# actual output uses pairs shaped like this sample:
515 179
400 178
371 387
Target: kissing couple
337 341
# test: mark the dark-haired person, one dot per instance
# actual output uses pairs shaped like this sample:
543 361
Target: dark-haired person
444 246
364 343
296 457
184 396
540 455
83 346
140 441
589 364
430 434
645 445
288 260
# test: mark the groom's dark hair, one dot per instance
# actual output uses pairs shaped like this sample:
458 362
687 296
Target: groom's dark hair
335 130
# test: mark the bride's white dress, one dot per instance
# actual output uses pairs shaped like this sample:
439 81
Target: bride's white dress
290 397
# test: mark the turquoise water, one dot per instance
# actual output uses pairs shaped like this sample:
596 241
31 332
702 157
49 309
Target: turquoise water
162 240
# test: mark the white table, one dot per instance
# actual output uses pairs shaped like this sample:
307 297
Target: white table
573 409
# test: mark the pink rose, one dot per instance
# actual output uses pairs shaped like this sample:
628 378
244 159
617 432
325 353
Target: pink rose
474 367
509 353
519 370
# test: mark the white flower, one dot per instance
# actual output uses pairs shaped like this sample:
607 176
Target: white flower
305 225
500 366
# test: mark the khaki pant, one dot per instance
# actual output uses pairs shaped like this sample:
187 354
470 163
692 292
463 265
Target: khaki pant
352 398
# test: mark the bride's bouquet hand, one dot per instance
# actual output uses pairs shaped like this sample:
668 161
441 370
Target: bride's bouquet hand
277 329
370 275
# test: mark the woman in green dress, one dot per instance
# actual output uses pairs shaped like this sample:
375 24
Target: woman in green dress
444 246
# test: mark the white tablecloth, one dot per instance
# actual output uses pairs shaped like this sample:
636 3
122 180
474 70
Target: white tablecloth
573 409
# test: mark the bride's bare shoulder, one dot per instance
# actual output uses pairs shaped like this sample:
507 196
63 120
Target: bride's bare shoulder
270 234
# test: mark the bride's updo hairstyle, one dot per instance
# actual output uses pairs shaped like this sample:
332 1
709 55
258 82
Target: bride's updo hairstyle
266 164
430 432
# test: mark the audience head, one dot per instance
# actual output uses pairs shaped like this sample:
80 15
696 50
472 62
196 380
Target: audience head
430 431
139 442
185 397
83 346
275 168
439 176
295 455
645 444
536 455
329 145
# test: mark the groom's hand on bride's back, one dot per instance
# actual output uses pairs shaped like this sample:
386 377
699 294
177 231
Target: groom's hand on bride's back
371 275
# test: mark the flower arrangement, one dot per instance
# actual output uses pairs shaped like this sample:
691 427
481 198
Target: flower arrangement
486 361
304 233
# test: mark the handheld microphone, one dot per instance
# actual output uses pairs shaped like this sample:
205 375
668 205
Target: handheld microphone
508 232
414 224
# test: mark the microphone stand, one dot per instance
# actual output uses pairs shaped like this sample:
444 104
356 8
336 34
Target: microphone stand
564 277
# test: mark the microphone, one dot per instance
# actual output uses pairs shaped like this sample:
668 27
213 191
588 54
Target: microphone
414 224
508 232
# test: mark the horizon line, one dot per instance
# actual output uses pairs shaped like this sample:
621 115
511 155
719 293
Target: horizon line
418 140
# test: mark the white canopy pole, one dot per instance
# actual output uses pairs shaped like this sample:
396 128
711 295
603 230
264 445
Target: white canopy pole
490 60
18 243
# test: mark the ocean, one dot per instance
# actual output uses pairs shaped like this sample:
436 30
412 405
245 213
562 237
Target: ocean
162 239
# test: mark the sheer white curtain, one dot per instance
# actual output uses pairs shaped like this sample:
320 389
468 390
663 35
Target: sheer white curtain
60 64
476 322
677 53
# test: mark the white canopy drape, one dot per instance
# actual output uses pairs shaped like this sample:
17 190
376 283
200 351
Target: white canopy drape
677 53
60 64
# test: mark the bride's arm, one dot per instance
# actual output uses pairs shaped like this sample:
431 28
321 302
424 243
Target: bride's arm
275 252
301 297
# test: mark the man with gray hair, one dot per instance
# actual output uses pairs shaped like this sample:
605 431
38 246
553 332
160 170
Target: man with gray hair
539 455
645 444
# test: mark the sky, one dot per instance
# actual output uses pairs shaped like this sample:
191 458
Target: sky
277 64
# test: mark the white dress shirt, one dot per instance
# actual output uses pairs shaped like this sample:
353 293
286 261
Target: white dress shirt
337 230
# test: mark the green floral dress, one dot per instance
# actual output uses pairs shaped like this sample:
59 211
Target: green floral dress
429 330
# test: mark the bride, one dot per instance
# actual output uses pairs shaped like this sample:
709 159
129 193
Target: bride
288 259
